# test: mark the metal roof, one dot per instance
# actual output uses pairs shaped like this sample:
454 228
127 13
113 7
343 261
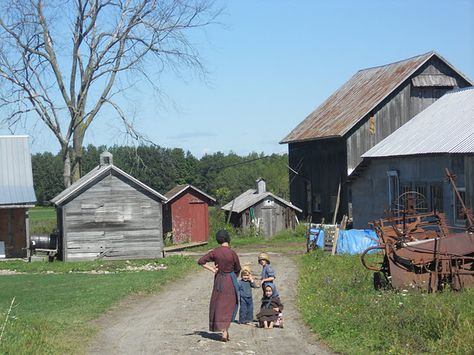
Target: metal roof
358 97
16 175
178 189
95 175
250 197
446 126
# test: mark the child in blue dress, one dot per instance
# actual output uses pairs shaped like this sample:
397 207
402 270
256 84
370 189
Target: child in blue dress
246 283
268 275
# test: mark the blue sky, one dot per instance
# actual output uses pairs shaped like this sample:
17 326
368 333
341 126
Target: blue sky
272 62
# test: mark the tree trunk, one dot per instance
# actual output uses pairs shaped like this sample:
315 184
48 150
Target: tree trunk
66 166
77 141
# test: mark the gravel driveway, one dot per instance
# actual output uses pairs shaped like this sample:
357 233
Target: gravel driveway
175 320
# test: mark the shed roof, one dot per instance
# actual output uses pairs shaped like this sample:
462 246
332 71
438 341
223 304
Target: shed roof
178 189
446 126
16 175
250 197
359 96
96 174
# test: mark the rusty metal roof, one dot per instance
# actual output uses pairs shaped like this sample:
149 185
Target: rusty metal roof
178 189
356 98
446 126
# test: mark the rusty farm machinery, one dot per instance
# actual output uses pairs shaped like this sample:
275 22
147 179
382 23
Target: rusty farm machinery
420 250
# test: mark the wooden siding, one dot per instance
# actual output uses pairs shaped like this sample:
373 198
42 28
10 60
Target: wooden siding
114 220
189 215
469 174
321 165
370 197
13 231
274 216
397 109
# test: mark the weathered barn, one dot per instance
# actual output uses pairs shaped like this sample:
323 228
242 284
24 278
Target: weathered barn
185 214
414 158
109 214
261 210
326 147
17 195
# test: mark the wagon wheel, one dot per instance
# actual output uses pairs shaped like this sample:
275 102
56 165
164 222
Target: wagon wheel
411 202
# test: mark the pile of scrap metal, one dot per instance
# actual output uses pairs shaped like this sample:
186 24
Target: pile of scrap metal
420 252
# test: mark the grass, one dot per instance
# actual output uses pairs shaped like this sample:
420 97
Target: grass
285 240
42 220
337 300
52 312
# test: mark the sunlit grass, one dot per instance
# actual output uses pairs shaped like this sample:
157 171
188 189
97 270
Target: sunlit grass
337 300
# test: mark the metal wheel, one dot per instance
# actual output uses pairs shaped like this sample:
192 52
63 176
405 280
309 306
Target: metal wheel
411 202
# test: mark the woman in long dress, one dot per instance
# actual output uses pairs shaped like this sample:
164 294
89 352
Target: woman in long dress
224 300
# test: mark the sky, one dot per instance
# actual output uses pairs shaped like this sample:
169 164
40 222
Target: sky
270 63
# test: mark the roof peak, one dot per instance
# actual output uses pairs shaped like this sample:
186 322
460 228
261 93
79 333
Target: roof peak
427 54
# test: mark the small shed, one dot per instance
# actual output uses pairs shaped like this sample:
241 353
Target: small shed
17 195
109 214
260 209
186 215
414 158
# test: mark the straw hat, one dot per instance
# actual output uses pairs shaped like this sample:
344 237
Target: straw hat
264 256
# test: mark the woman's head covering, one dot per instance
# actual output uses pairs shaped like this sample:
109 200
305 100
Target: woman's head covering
264 256
222 236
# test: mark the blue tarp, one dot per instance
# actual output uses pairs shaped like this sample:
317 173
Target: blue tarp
318 235
355 241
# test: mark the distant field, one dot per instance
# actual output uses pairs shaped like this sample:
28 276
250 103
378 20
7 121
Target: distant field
42 220
42 213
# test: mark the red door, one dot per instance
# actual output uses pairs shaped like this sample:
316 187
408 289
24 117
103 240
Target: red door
199 226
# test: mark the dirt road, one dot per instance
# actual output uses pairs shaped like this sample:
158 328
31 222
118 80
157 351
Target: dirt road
175 321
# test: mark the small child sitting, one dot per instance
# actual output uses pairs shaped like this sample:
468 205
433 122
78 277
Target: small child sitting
246 283
270 310
268 275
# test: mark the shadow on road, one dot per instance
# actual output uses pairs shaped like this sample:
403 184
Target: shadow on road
207 335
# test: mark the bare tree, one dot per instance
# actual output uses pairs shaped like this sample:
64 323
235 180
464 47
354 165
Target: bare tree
61 59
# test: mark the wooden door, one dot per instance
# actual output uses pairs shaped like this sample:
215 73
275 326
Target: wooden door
199 225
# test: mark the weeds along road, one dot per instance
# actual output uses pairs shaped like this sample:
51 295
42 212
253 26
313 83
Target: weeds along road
175 320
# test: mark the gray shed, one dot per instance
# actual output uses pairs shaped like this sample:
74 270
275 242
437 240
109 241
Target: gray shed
414 158
17 195
261 209
109 214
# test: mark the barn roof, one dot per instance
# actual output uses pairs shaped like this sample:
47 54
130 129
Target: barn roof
360 95
250 197
178 189
97 174
446 126
16 175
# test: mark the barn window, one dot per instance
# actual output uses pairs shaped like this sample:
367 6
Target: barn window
316 202
459 216
436 198
393 187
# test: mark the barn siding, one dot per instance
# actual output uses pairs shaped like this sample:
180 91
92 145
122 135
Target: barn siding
13 231
189 214
114 220
396 110
370 197
321 165
274 217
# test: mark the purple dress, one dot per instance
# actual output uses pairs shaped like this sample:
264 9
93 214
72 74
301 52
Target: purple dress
224 296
